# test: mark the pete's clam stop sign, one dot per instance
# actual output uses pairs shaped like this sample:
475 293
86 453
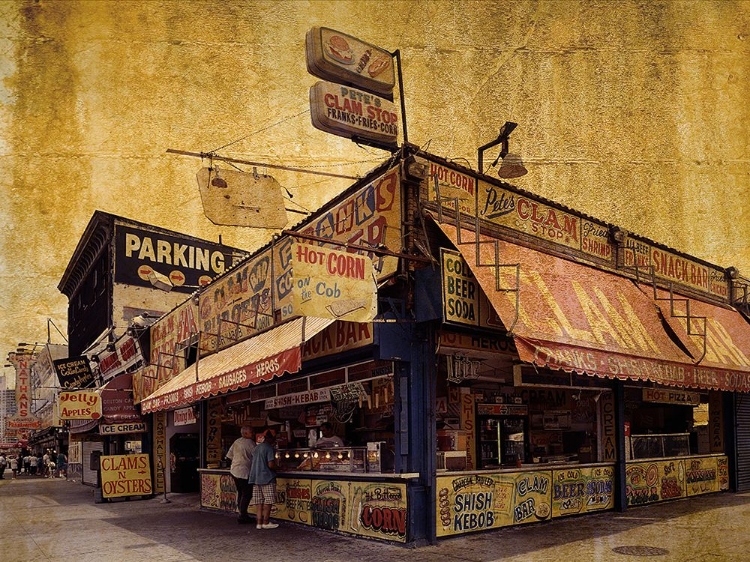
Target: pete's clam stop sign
355 101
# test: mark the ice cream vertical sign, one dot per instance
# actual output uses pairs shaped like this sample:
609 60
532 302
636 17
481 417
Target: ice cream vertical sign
333 284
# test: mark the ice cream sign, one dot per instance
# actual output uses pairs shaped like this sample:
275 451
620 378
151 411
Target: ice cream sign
333 284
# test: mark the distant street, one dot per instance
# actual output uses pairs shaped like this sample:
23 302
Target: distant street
58 521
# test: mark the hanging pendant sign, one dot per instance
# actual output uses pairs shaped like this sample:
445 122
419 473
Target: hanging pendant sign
351 113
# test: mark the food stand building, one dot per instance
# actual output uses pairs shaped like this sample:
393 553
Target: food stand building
498 359
122 275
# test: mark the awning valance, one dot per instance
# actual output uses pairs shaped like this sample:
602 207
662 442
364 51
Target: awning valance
718 339
578 318
257 359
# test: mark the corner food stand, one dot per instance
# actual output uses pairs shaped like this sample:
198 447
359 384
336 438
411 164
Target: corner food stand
503 371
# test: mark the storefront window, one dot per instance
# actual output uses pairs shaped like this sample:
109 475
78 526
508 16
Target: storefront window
670 422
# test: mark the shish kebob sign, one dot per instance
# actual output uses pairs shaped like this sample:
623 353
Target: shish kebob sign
80 405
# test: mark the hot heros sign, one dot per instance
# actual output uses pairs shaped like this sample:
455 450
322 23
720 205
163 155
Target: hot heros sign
187 262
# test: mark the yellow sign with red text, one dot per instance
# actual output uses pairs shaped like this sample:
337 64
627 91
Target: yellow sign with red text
125 475
333 284
80 405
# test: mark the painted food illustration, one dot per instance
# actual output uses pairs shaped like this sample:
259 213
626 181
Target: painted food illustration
338 49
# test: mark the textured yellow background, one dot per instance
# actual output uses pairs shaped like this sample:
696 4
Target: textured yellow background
633 112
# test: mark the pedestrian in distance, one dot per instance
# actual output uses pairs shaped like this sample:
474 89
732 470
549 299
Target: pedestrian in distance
32 464
3 464
263 477
241 455
14 466
62 465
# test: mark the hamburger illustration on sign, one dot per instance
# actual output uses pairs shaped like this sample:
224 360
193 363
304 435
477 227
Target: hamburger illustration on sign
341 58
338 48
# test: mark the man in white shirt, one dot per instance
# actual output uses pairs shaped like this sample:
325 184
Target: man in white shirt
329 439
241 455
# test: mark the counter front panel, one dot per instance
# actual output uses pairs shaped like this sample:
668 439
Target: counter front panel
478 501
374 509
658 480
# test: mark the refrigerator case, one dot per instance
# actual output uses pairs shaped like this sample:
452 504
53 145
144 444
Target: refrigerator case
503 434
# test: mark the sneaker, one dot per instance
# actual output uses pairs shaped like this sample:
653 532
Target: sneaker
270 525
259 526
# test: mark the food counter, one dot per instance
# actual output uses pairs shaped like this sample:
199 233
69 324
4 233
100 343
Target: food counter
478 500
659 479
368 504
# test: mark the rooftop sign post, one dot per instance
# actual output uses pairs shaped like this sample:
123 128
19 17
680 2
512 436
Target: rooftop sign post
356 101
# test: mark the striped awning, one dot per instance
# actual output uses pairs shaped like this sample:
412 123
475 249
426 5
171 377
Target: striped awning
252 361
582 319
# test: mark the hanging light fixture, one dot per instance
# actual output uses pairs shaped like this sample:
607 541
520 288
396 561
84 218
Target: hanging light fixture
512 166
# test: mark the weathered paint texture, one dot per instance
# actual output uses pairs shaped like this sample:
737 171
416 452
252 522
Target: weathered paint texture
633 112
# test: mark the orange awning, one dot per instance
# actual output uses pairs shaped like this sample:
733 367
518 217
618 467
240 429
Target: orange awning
722 357
578 318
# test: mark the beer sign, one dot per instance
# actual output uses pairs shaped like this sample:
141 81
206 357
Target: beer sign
460 290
